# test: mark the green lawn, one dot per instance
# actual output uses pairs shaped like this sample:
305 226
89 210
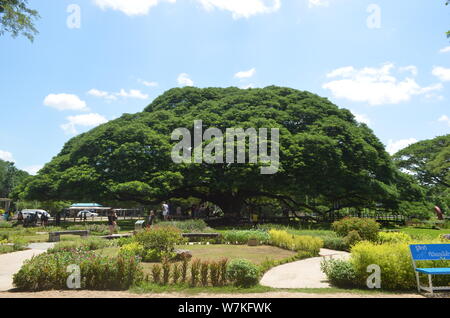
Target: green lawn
424 233
147 288
257 254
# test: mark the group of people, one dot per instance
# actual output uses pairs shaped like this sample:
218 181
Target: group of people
169 212
32 219
195 211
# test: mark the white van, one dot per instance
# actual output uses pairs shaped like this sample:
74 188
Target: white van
28 212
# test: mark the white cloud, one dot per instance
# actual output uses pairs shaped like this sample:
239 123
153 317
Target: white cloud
242 8
130 7
101 94
318 3
87 120
132 93
395 146
445 50
148 84
65 102
33 170
245 74
184 80
362 118
376 86
238 8
6 156
444 119
442 73
411 68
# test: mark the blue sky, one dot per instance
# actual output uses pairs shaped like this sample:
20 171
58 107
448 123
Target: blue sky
387 61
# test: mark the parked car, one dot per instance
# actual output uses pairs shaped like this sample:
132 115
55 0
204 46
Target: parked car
86 213
39 213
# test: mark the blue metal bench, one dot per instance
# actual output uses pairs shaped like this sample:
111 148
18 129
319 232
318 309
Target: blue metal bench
430 252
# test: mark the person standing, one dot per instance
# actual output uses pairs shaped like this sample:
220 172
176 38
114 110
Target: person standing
165 208
151 219
20 218
112 222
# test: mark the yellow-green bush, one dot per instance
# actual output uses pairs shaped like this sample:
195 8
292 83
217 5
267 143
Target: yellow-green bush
393 237
134 249
296 243
394 259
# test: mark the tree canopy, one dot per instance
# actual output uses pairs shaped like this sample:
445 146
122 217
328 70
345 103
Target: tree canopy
10 177
428 162
17 18
327 159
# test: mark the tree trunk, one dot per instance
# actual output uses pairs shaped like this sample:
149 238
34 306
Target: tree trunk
231 205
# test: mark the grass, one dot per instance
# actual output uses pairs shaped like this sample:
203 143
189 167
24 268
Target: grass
256 254
147 288
420 233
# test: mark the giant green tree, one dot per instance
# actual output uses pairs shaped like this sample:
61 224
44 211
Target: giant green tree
327 159
17 18
429 162
10 177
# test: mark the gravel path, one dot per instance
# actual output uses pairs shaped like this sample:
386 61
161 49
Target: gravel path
12 262
281 294
302 274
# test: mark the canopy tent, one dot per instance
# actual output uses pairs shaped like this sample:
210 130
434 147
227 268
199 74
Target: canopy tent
76 207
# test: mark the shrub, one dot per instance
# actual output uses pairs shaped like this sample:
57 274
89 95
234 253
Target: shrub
366 228
184 269
95 229
340 273
204 271
335 243
162 239
133 248
5 225
394 259
4 249
195 272
19 244
243 273
176 274
88 244
48 272
308 244
352 238
156 273
242 237
189 226
165 271
214 269
393 237
223 265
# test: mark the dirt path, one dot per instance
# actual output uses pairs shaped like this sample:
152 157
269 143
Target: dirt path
302 274
283 294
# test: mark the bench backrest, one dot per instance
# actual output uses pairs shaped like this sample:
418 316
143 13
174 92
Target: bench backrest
430 252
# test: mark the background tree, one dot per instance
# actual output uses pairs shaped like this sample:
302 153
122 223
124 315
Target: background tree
428 162
17 18
10 177
329 161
